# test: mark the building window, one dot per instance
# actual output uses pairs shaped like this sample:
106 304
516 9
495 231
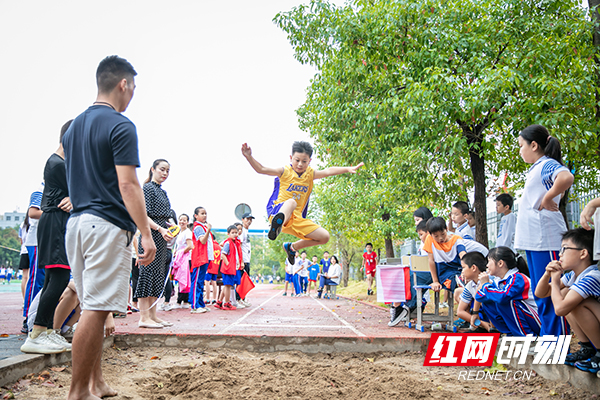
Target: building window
8 217
16 218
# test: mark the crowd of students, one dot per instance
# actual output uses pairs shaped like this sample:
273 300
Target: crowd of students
541 279
305 274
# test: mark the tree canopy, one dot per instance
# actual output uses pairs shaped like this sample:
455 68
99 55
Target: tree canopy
432 94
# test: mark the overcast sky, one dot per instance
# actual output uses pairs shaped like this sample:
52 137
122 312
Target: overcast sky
211 76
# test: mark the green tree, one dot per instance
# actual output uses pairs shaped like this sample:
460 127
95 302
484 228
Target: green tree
10 250
454 81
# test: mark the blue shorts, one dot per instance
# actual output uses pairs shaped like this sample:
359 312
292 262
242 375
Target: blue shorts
289 278
238 276
210 277
228 280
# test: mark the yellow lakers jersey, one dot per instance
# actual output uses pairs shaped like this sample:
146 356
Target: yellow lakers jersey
291 186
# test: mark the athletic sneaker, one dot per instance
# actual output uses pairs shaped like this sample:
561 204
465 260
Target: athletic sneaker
228 306
219 305
185 306
399 314
284 294
41 345
240 305
200 310
25 328
276 224
461 324
59 340
584 353
290 253
444 305
166 307
592 365
246 303
68 334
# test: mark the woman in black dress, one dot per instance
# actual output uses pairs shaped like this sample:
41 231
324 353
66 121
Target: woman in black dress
151 281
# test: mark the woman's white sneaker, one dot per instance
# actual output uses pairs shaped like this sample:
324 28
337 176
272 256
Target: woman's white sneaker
41 345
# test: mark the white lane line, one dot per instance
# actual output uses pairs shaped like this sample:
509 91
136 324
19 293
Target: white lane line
342 320
293 326
249 313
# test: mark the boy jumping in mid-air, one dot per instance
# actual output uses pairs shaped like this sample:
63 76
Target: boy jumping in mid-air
288 205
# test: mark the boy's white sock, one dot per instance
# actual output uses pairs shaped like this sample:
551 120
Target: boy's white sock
64 328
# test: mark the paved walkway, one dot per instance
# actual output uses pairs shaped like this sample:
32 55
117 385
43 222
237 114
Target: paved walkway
273 314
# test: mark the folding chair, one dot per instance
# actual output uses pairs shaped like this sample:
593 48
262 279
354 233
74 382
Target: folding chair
420 264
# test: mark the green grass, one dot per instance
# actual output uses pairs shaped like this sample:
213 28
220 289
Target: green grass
357 290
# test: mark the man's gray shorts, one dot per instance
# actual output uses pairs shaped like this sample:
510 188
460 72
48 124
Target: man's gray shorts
99 254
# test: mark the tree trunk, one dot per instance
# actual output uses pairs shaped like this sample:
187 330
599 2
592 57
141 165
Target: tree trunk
389 247
478 171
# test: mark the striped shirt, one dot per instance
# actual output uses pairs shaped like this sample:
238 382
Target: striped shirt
587 284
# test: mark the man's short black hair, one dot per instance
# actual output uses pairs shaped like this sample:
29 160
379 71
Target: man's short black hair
461 206
230 228
581 238
422 226
302 147
369 244
436 224
475 258
111 71
506 200
64 128
303 252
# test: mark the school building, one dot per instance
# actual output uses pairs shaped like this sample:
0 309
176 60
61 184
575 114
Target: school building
11 219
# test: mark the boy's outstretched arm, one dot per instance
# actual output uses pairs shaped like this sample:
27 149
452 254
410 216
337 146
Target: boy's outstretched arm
331 171
258 167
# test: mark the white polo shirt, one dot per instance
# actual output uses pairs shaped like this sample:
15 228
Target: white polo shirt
539 230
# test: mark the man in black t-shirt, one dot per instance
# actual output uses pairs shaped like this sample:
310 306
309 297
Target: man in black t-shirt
101 156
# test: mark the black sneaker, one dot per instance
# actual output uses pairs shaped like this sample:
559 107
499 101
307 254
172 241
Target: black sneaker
25 328
290 253
592 365
400 313
584 353
276 224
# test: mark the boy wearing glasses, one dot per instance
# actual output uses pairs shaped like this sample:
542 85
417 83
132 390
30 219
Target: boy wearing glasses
576 295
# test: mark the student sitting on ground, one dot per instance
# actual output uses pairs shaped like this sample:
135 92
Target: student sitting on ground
510 297
469 309
576 295
331 277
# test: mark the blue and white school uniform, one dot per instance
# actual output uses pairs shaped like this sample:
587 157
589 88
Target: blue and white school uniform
35 282
468 296
511 299
587 284
465 231
506 231
539 233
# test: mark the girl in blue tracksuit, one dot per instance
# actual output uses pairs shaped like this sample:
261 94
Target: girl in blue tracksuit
509 297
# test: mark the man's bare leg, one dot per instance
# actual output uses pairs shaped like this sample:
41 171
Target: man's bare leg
98 386
86 353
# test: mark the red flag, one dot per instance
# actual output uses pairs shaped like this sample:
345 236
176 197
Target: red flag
245 285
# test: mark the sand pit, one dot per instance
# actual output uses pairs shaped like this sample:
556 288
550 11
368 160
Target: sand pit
177 374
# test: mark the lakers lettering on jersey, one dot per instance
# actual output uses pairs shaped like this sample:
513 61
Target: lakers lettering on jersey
290 185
